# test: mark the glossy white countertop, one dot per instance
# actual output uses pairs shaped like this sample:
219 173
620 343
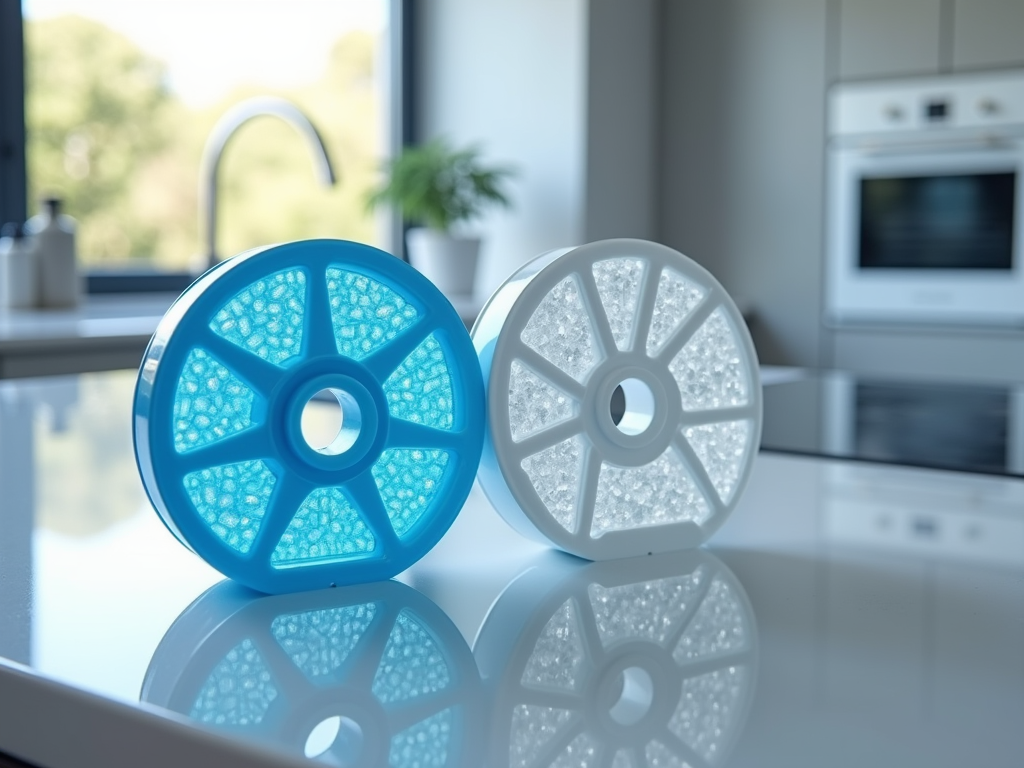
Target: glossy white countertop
845 615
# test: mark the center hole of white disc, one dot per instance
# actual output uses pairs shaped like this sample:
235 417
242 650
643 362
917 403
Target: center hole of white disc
632 407
331 421
342 736
635 699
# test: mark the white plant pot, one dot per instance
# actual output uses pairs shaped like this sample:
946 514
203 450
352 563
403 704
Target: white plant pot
448 262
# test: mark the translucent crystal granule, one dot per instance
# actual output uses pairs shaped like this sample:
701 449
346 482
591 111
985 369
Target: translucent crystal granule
557 659
721 448
412 665
326 527
707 710
232 500
533 726
424 745
660 756
618 284
677 297
658 493
582 752
239 690
717 627
408 480
210 403
560 330
648 610
365 313
420 388
266 318
555 474
319 642
533 403
709 370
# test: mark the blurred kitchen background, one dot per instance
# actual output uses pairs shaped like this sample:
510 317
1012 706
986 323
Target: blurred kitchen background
702 125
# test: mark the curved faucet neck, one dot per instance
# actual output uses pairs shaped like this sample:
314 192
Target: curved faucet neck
218 139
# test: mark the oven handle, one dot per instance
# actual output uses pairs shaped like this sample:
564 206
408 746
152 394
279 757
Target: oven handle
993 143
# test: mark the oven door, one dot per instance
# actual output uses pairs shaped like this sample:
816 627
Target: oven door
927 233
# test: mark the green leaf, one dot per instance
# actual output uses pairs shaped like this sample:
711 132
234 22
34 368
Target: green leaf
439 186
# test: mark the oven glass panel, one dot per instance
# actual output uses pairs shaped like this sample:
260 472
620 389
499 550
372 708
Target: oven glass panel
938 222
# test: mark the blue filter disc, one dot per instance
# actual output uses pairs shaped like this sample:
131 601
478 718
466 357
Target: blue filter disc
309 415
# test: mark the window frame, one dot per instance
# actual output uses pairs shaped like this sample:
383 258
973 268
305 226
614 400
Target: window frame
400 104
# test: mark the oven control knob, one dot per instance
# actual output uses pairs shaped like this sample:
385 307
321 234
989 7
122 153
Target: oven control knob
989 107
895 112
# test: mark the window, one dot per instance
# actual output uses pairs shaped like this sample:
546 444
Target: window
121 96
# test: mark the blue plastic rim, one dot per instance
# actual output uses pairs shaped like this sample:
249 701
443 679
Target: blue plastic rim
219 403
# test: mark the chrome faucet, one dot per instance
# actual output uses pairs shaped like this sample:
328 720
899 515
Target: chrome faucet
222 132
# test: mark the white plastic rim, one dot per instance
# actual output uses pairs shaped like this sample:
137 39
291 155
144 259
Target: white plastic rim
574 331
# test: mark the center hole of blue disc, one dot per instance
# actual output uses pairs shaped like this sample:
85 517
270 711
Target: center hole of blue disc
331 421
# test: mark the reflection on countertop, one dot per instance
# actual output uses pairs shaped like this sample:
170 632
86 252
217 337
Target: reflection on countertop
356 676
643 661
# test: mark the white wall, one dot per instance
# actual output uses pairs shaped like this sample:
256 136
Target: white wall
511 75
742 152
622 112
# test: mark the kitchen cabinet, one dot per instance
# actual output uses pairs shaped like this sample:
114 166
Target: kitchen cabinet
988 33
880 38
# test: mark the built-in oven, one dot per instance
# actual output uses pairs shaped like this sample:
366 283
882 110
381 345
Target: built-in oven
926 201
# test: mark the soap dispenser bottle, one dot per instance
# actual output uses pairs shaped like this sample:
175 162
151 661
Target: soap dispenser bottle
18 269
54 234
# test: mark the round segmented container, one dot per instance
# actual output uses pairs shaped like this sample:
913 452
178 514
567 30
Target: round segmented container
642 662
623 400
361 676
235 372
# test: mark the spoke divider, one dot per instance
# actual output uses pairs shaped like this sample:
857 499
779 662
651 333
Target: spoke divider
371 646
246 445
699 474
404 714
703 666
598 315
319 325
285 673
681 749
549 437
254 371
277 517
560 699
587 498
590 635
409 434
645 305
685 330
548 370
371 509
562 738
691 610
383 361
717 416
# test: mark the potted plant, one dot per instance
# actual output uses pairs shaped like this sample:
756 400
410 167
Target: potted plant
438 187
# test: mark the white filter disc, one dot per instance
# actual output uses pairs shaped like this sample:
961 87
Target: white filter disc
623 396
